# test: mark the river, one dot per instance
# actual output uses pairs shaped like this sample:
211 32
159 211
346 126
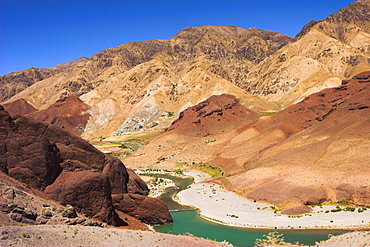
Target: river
187 220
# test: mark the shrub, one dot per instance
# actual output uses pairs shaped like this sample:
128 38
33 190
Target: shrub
271 239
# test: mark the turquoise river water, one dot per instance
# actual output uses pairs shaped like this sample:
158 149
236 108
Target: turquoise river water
187 220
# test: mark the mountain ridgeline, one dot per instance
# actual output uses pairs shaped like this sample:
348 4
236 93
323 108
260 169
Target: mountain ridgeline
164 76
134 86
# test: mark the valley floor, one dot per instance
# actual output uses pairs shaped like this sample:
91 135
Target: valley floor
224 207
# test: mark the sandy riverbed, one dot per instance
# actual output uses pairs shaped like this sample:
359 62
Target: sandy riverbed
224 207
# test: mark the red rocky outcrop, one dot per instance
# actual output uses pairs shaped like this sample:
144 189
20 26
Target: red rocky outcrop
27 156
136 185
147 209
89 192
217 114
68 169
69 114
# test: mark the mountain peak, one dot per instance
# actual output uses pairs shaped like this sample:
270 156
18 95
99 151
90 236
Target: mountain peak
63 66
335 25
357 12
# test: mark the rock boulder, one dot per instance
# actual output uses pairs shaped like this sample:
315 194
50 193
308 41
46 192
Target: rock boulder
89 192
149 210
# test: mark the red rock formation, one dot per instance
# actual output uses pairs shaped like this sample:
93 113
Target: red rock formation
27 156
217 114
142 208
19 107
69 114
89 192
135 184
36 153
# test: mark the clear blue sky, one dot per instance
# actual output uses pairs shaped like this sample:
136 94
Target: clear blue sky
45 33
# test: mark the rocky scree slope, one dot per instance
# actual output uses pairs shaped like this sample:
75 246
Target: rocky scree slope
69 170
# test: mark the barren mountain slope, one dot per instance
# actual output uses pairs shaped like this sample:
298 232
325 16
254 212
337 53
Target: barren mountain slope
325 53
19 107
68 113
13 83
325 160
85 76
190 139
158 95
310 152
135 86
141 85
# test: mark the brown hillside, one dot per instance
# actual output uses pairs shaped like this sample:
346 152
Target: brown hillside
216 115
325 53
69 113
134 86
13 83
310 152
19 107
